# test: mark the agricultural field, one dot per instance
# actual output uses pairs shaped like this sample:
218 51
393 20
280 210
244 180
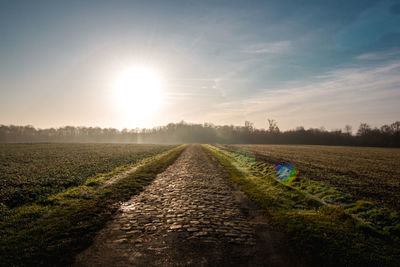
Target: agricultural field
363 182
29 172
57 197
328 224
72 191
371 174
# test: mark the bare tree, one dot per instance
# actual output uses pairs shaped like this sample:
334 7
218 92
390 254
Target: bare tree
348 129
249 125
364 129
273 126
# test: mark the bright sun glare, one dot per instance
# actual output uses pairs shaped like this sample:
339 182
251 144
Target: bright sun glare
138 91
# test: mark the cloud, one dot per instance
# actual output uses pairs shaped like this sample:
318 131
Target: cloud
269 47
379 55
348 95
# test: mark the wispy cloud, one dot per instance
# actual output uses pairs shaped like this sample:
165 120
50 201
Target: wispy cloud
269 47
348 95
378 55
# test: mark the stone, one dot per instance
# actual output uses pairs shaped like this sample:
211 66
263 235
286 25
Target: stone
175 226
230 234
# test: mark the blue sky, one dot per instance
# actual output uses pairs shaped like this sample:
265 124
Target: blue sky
309 63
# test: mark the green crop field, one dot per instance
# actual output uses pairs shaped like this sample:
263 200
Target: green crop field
29 172
363 181
364 173
54 197
341 203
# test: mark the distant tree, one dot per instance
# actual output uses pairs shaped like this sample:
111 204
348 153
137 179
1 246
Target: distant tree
348 129
273 126
182 132
386 129
249 125
364 129
395 127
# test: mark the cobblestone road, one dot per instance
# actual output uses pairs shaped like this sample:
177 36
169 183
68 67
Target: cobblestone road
187 216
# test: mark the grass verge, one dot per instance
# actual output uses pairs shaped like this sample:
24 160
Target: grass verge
51 231
324 234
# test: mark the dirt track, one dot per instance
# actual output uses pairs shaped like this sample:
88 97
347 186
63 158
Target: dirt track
189 216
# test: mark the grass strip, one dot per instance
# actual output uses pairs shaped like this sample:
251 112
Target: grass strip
51 232
324 234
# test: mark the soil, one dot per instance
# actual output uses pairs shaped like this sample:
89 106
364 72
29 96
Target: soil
189 216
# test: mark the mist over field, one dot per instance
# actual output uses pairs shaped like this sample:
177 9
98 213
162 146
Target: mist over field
180 133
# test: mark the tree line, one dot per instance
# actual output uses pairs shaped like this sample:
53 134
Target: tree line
182 132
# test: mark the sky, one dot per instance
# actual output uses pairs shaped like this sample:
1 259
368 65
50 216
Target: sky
303 63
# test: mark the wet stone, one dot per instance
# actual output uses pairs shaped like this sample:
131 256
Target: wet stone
132 232
201 233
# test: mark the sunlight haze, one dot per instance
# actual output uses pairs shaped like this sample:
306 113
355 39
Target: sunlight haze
138 93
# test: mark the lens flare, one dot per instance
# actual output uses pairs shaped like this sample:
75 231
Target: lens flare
286 172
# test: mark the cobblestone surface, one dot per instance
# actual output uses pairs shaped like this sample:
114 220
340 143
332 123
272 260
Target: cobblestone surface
187 216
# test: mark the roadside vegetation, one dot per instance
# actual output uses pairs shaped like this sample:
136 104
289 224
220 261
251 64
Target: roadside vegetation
52 229
326 225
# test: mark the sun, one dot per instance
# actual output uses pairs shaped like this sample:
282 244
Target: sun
137 91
